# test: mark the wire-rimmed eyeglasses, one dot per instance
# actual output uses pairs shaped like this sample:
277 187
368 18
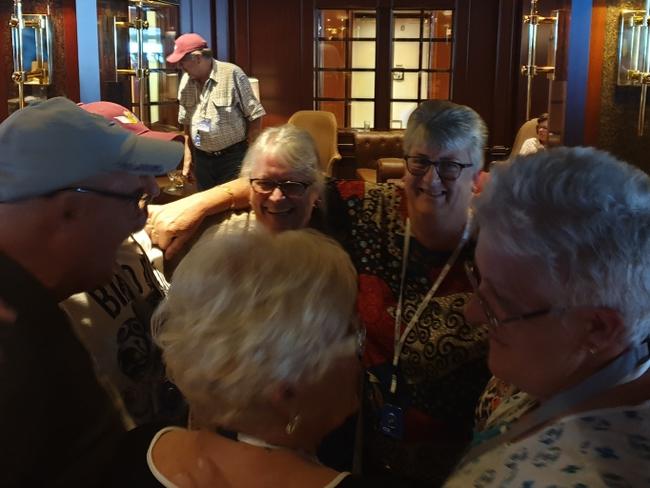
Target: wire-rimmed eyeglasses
474 278
139 198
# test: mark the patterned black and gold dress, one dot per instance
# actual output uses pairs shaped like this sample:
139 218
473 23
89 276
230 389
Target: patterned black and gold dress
442 369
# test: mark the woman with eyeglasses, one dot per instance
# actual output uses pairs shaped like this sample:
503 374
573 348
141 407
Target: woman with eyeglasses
562 280
280 187
265 347
426 366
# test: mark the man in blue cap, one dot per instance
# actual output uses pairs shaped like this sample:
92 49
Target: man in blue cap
73 186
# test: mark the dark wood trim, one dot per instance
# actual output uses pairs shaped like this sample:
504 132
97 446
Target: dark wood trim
306 54
425 4
343 4
6 66
241 33
596 52
382 67
503 124
460 51
71 87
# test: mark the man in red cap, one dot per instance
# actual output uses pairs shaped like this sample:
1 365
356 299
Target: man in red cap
218 109
128 120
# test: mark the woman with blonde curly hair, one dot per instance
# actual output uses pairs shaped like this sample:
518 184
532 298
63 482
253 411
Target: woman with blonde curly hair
259 333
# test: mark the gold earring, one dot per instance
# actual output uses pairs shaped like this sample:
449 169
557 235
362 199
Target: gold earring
292 425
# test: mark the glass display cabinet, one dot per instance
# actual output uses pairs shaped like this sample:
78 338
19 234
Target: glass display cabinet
31 42
134 72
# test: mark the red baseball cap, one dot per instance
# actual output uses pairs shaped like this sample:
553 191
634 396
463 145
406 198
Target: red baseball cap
127 120
186 43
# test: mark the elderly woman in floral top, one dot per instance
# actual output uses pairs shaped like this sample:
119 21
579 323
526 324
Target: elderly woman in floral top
562 278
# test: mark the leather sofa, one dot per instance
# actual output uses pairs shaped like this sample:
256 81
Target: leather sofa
379 155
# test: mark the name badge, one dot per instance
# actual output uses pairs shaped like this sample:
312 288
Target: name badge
204 125
391 422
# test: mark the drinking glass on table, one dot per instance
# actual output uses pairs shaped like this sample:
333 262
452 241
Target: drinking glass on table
177 182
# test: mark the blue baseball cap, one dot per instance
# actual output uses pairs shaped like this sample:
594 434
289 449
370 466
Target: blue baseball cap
53 144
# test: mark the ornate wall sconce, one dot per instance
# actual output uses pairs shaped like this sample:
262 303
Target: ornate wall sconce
31 39
634 55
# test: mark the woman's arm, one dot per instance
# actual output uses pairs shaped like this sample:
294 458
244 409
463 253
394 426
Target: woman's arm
170 226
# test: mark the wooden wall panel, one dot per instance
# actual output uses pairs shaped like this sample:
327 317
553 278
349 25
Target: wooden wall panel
71 48
270 45
503 124
477 23
6 62
273 40
596 50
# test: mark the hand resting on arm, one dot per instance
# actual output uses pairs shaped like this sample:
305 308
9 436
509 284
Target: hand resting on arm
170 226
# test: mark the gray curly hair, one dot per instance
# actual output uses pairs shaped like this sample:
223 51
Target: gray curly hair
586 217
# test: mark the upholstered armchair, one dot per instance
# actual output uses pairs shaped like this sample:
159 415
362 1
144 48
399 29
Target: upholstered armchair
322 127
526 131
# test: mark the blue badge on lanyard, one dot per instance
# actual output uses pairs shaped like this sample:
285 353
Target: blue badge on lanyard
197 140
391 422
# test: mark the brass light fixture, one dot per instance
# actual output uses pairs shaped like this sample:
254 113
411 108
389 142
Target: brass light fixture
140 24
634 55
533 20
31 39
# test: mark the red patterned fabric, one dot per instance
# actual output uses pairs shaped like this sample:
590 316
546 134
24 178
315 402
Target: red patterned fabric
442 365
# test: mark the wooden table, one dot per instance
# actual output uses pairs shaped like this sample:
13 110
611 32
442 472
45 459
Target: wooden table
164 197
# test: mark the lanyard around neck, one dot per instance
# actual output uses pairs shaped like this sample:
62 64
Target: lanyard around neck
624 369
400 339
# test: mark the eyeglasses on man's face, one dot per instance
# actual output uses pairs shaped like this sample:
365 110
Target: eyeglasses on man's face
446 170
474 278
290 189
138 198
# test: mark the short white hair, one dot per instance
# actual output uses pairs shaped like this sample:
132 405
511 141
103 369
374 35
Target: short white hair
444 125
247 312
585 216
291 145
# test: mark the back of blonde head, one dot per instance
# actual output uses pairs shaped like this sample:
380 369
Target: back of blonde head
246 312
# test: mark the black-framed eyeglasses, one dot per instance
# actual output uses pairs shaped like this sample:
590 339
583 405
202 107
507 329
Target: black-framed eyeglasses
139 198
474 278
290 189
447 170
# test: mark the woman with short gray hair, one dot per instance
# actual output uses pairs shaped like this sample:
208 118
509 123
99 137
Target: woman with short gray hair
562 279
